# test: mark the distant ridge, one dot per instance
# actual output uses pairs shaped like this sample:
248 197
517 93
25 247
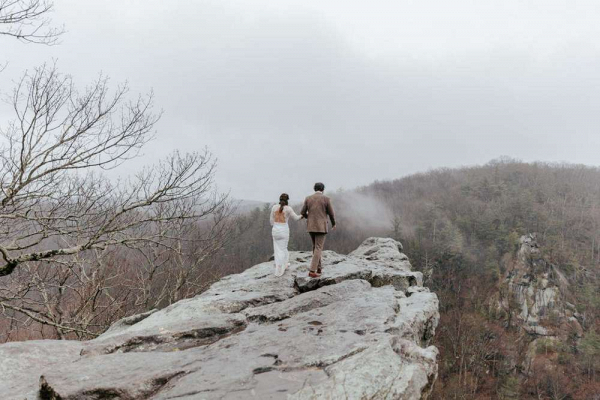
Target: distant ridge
245 206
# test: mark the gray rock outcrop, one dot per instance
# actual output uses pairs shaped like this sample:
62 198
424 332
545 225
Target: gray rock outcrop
537 287
361 331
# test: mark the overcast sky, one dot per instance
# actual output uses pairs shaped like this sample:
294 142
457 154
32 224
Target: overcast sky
286 93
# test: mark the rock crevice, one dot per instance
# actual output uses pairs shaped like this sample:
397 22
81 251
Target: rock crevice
363 330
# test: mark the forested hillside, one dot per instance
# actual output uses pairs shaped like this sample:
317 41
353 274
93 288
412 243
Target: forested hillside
511 249
463 228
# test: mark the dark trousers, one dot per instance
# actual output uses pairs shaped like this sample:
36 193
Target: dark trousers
318 241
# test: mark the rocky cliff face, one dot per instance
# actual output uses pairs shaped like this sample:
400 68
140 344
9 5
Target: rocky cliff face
536 285
362 331
536 289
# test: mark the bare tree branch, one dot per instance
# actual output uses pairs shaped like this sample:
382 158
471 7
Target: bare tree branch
27 21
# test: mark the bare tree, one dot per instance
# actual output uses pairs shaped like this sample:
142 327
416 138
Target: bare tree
27 21
59 213
78 250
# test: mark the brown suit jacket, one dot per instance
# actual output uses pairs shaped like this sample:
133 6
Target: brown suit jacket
316 209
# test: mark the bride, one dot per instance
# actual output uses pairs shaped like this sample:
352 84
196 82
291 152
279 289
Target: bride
280 214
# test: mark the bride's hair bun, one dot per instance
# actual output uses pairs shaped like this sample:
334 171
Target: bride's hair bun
283 201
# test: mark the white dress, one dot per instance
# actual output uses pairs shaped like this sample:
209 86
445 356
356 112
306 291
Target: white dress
281 236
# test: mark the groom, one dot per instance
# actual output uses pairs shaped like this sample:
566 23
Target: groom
316 209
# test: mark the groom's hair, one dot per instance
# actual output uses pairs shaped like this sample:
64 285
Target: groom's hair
319 187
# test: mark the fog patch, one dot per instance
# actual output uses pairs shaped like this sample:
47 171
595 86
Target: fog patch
360 211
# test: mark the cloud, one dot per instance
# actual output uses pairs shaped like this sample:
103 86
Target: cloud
287 93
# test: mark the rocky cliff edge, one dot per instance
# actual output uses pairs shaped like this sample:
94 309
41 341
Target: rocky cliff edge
361 331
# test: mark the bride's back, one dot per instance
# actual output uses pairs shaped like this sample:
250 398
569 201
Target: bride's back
280 215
